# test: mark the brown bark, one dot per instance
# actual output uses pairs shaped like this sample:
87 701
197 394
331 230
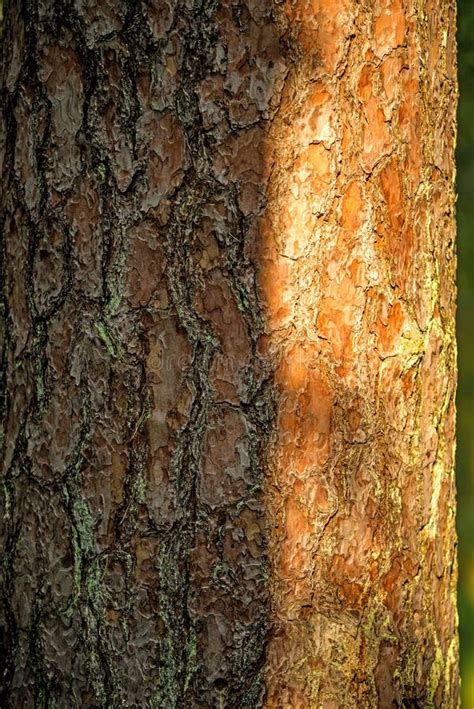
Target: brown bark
229 361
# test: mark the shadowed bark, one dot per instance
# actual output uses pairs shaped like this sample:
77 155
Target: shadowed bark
229 362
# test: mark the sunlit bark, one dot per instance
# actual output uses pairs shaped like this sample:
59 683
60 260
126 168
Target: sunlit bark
229 358
358 276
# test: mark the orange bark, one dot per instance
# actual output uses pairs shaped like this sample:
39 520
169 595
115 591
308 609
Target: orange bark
358 277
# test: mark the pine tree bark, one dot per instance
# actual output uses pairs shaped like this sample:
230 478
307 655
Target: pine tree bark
229 355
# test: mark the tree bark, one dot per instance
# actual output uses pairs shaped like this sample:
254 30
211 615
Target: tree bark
229 356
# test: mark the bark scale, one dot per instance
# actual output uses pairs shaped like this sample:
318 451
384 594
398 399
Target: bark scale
229 357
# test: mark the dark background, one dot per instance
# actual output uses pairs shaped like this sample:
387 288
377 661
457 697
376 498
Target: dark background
465 451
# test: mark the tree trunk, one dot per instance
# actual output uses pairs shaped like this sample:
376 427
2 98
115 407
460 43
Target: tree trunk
229 361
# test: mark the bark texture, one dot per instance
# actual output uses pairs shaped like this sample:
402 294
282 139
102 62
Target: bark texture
229 358
358 272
